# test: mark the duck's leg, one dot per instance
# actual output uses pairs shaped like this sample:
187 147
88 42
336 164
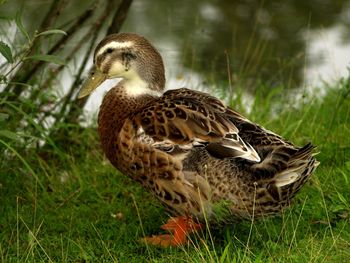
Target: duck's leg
180 228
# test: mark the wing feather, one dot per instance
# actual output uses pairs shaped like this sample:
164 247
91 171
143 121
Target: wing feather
184 116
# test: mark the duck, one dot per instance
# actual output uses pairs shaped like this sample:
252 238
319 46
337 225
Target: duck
201 159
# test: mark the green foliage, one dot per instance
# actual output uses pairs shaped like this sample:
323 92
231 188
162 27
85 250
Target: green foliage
71 205
5 50
47 58
18 20
50 32
23 54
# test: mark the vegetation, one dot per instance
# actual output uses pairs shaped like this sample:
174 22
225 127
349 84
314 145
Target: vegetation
61 200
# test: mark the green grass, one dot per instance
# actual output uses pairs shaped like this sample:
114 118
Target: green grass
56 204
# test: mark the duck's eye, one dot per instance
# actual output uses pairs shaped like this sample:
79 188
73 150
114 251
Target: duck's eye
129 55
109 50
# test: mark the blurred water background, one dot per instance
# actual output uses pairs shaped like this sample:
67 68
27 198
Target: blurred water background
217 45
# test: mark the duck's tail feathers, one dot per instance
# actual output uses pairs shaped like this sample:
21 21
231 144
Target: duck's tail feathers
299 169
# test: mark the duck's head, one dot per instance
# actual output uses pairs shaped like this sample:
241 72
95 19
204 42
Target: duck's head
130 57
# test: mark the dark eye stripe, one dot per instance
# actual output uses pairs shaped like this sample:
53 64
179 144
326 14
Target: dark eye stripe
109 50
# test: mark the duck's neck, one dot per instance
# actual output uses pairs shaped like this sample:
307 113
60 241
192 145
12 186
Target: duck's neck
117 105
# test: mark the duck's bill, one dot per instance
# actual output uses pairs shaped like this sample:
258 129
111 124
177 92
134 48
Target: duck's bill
95 80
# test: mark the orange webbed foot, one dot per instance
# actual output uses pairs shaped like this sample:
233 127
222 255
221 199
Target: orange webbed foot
180 227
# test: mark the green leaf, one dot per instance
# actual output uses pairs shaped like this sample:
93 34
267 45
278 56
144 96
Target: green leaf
5 50
48 58
343 199
20 25
3 116
9 134
348 165
3 79
52 31
20 84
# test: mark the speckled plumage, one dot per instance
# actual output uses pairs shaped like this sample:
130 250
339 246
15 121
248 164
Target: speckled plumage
190 150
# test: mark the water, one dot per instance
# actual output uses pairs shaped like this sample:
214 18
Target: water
293 43
290 43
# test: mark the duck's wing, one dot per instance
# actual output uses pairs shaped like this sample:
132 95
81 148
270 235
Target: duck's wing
183 119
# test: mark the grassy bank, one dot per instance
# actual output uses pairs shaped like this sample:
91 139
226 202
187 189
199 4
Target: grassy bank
66 203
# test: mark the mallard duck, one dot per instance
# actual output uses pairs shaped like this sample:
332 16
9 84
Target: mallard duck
200 158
